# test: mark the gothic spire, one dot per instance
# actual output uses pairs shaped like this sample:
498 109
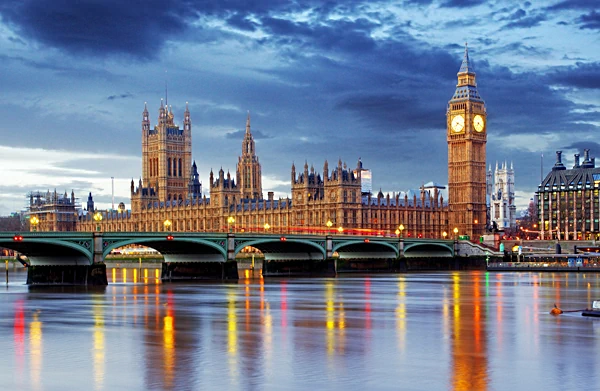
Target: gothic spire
466 66
248 123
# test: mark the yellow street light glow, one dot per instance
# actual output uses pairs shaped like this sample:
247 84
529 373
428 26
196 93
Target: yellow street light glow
34 221
167 223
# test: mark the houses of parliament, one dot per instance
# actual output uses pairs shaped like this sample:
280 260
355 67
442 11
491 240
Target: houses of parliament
169 194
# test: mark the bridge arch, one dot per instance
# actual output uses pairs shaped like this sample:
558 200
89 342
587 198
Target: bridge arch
176 249
428 249
52 250
285 249
365 249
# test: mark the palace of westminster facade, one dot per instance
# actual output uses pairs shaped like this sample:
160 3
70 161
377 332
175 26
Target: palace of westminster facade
326 202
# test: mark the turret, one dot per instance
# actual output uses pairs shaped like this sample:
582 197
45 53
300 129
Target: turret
293 173
90 203
187 122
162 114
145 120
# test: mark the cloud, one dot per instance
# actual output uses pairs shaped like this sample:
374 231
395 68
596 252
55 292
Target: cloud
590 21
580 75
462 3
239 135
525 22
573 5
136 28
120 96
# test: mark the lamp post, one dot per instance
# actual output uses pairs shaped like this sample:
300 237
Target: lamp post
455 230
444 234
398 232
267 226
328 224
97 219
341 230
34 221
167 224
401 228
230 220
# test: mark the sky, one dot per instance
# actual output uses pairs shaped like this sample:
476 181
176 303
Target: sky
322 80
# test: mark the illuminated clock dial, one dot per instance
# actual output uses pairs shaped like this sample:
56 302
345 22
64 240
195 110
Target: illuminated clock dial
458 123
478 123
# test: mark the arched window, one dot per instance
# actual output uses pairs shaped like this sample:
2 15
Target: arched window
180 167
169 167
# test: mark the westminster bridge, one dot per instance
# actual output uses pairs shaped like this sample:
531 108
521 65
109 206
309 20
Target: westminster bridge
81 255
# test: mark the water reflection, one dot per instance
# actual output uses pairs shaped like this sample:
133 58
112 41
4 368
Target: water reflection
35 351
468 343
459 331
124 275
98 351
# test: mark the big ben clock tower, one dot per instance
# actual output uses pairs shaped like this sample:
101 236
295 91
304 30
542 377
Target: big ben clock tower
466 123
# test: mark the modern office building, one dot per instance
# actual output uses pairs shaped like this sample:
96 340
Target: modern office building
568 201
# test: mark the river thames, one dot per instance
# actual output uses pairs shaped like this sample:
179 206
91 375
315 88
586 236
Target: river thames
417 331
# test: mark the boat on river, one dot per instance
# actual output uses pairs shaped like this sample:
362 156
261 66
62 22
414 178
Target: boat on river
595 311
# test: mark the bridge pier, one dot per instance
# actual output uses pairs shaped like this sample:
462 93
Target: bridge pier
94 274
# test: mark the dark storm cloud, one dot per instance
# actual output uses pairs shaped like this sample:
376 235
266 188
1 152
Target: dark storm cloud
574 5
393 113
589 21
120 96
462 3
580 75
582 145
136 27
527 103
239 135
525 22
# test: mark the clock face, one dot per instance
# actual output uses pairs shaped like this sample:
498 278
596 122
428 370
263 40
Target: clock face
478 123
458 123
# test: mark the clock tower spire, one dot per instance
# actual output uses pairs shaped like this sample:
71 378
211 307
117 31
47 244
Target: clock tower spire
466 133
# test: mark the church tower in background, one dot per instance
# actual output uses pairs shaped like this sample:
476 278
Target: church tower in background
248 168
167 154
466 132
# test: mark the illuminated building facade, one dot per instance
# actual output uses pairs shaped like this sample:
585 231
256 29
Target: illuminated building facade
53 211
466 124
568 200
336 200
237 204
501 196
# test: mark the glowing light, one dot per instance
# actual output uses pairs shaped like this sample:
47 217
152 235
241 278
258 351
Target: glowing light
35 351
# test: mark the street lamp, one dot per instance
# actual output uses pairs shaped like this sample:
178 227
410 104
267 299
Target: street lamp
34 221
397 232
328 224
340 230
230 220
267 226
167 223
444 234
455 230
401 228
97 219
